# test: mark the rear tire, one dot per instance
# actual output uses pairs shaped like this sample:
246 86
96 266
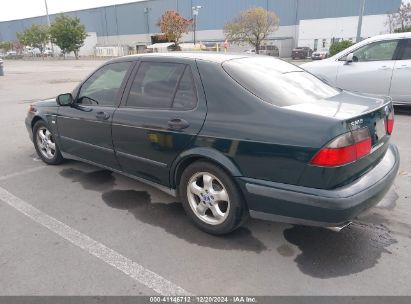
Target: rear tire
46 147
211 198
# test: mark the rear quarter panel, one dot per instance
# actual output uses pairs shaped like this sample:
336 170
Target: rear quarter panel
264 141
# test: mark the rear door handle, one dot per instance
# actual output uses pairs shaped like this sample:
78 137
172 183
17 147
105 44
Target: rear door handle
404 67
102 115
178 124
385 68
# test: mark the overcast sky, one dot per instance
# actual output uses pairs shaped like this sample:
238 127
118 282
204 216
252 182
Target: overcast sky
18 9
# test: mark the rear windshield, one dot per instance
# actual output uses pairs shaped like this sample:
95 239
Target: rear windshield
278 82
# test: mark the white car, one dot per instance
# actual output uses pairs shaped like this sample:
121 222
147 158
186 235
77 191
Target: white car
320 54
378 66
48 52
11 53
250 51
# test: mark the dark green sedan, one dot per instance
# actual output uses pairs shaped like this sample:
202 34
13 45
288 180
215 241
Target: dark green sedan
231 135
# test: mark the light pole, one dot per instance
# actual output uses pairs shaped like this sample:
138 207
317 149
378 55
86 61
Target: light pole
362 7
48 23
146 13
195 9
47 13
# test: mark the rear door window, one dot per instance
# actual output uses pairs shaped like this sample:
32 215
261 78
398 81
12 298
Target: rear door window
406 54
159 85
278 82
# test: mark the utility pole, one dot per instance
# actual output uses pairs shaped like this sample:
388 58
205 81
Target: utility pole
47 13
146 13
48 23
195 9
361 14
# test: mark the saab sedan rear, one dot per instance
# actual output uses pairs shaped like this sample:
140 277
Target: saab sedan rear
230 135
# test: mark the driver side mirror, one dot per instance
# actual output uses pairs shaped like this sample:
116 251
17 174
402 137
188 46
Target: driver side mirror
65 99
350 58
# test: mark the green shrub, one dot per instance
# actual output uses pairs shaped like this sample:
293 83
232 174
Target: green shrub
337 47
400 30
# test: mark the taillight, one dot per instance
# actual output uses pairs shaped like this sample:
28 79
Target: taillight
390 122
31 109
344 149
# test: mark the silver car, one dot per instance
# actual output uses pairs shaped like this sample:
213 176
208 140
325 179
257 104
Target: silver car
320 54
379 66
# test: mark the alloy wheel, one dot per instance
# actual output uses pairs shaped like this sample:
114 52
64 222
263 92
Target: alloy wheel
208 198
45 143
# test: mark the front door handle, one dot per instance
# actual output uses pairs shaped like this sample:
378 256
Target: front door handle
385 68
178 124
102 115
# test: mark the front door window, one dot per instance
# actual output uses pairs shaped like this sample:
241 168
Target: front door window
102 87
377 51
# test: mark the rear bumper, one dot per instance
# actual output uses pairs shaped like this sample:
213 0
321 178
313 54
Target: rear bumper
319 207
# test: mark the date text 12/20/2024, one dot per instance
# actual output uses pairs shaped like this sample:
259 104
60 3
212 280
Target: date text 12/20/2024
202 299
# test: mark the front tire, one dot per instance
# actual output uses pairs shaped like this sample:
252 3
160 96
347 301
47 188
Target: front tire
46 147
211 198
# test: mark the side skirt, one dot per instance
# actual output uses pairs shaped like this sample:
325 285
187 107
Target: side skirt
162 188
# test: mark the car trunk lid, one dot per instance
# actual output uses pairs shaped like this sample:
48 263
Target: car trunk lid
356 113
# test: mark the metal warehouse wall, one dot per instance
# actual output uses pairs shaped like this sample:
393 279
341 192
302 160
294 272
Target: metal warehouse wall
126 19
317 9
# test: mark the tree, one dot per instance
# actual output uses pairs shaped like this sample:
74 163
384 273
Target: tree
404 16
403 30
339 46
17 46
391 22
252 26
400 21
173 26
68 34
6 46
35 36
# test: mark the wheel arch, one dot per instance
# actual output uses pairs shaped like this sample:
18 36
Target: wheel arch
208 154
49 122
35 120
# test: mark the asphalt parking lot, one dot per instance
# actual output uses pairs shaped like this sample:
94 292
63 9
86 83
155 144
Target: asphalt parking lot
76 229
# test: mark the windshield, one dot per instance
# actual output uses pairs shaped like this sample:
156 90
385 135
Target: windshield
278 82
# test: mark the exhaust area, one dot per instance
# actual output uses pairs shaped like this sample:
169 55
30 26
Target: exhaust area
339 228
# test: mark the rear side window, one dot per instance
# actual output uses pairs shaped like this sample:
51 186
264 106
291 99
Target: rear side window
185 96
406 55
277 82
159 85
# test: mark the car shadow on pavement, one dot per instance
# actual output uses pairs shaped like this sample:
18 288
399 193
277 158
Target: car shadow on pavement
95 180
322 253
172 218
328 254
168 216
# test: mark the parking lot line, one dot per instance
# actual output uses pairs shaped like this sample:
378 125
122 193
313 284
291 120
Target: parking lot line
23 172
134 270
